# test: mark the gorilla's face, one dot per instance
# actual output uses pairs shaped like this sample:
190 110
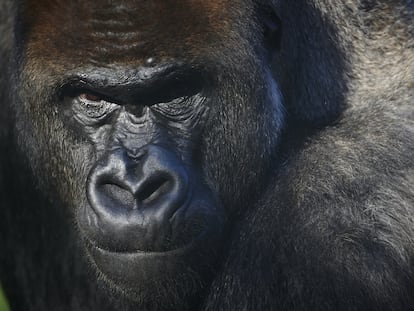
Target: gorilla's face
143 118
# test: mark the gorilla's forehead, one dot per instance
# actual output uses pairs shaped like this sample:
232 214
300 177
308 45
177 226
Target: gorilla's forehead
125 31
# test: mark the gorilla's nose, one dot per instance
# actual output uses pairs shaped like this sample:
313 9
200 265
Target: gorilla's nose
133 195
137 179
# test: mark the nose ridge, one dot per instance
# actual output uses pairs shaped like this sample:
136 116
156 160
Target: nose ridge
137 195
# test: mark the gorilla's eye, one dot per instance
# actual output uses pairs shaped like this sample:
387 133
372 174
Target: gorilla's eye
180 109
91 107
89 97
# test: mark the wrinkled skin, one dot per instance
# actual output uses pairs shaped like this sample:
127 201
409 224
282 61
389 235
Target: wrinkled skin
207 155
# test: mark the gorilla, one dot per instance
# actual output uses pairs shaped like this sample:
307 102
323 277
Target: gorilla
207 155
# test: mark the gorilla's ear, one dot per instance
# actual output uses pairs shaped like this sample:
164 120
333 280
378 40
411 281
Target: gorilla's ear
307 62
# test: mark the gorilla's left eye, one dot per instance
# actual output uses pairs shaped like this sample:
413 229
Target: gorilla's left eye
179 109
92 107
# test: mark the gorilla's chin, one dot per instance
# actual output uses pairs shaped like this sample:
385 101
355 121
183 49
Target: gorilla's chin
143 276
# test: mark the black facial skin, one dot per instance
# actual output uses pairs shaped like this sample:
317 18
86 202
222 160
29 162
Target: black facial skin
147 203
195 155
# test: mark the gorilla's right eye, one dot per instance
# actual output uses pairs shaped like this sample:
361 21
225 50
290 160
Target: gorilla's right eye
91 108
90 97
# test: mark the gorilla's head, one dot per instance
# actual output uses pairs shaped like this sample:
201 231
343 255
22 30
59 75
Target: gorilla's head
151 121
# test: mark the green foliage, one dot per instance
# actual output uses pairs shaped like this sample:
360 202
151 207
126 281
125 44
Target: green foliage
3 302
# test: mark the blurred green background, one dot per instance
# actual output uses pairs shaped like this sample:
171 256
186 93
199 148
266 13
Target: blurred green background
3 303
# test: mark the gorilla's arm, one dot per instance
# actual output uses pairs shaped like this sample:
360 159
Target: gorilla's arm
335 233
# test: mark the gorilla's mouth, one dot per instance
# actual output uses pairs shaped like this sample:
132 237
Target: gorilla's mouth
129 271
100 251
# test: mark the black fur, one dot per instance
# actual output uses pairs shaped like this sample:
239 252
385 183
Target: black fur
318 187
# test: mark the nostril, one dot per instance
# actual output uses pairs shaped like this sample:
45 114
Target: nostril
117 195
153 189
121 188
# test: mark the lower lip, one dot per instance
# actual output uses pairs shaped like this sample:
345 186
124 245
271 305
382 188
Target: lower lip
131 270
